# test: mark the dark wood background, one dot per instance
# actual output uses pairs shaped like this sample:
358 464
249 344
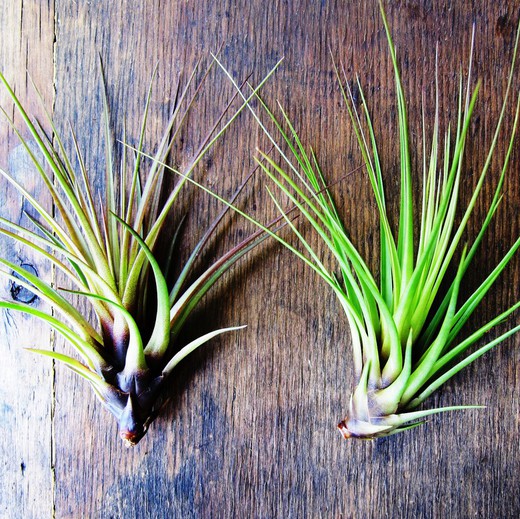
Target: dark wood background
251 428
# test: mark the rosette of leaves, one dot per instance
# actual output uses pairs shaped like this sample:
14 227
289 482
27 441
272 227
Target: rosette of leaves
105 250
405 322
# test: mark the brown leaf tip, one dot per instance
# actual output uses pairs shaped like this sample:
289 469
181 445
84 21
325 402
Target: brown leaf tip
343 429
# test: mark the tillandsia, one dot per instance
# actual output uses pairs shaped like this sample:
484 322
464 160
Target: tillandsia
405 326
105 252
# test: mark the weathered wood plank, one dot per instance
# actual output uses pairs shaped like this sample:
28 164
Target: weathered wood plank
26 384
251 430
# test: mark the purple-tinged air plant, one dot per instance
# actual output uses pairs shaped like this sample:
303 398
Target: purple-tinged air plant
105 252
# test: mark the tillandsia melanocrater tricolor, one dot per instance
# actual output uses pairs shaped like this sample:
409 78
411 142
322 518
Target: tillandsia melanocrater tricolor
404 326
105 252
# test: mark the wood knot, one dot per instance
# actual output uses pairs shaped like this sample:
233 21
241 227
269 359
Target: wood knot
18 292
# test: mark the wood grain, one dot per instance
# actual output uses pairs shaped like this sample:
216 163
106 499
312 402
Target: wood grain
250 429
26 384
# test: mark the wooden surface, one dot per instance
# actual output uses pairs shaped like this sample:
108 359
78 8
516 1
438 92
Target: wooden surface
251 427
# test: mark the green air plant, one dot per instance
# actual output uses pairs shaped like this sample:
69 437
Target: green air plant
404 326
105 252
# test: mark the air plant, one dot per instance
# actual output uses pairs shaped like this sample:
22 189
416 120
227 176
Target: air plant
405 327
105 252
